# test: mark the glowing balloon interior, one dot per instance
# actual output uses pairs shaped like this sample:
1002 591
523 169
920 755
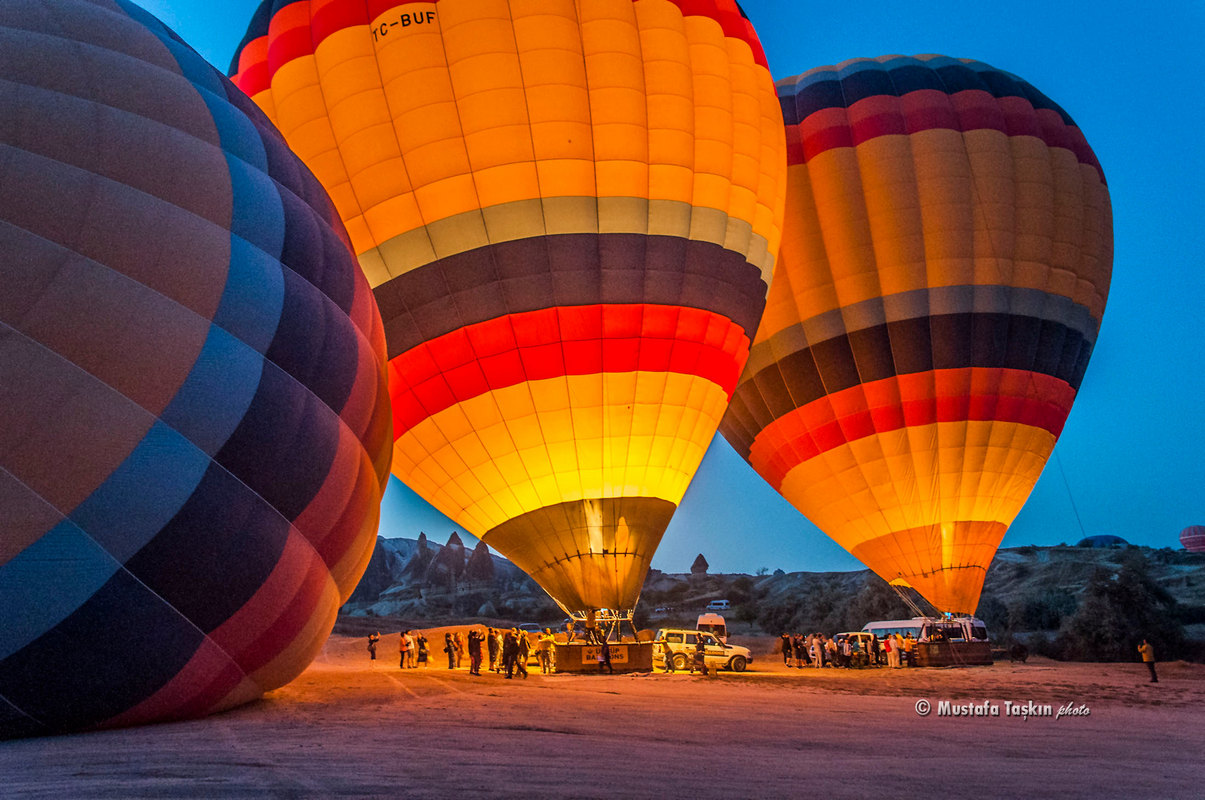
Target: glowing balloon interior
569 213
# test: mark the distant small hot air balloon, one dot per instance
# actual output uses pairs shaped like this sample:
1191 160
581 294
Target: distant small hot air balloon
946 256
194 419
1193 538
568 212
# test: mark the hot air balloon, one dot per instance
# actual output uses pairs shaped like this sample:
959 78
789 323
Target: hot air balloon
194 417
568 212
946 256
1193 538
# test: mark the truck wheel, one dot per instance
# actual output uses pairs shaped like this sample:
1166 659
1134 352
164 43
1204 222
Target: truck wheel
679 662
737 664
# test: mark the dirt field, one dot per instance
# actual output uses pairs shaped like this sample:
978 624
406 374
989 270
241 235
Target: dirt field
347 729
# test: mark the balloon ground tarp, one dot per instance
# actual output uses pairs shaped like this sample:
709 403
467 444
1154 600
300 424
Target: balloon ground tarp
946 256
569 214
194 419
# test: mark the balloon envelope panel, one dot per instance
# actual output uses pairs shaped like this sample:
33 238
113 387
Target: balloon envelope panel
946 256
1193 538
568 212
194 419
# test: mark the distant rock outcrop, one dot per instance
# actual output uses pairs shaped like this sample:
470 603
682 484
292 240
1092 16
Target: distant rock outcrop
446 568
420 559
480 568
700 566
408 577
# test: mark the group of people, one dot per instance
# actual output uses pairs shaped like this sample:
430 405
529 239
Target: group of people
818 650
508 650
697 658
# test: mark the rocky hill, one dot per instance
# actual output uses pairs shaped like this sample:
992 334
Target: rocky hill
1026 588
415 579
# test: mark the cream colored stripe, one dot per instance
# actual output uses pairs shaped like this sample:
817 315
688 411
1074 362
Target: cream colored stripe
522 219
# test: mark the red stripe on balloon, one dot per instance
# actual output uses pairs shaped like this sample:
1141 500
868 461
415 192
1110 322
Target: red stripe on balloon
268 623
554 342
289 35
925 398
208 677
930 109
328 17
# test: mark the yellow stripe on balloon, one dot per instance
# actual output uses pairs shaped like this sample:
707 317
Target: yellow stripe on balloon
915 477
414 134
524 447
939 208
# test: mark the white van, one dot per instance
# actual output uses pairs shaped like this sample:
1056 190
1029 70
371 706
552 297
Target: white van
719 605
966 629
713 624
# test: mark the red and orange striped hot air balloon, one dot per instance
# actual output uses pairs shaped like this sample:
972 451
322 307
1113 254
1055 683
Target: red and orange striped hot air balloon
946 256
569 213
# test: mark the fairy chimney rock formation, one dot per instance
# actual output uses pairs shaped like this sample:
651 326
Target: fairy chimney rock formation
480 568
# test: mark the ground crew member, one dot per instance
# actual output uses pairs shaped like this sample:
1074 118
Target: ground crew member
1148 658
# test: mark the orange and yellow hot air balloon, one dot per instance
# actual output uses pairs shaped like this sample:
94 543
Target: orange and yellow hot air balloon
946 256
568 212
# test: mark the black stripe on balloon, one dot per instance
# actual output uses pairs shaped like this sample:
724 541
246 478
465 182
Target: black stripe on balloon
216 553
283 447
567 270
948 341
116 650
801 100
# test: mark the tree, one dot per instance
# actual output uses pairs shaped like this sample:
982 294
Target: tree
1117 612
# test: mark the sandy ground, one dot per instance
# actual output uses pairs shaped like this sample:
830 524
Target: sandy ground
347 728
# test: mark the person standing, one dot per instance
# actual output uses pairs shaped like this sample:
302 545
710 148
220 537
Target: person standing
401 649
592 636
909 648
491 643
700 660
788 650
545 651
408 636
475 638
450 649
524 651
510 653
422 651
667 654
604 657
801 651
1148 658
373 638
458 643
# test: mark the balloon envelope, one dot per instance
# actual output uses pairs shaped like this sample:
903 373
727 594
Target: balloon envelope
568 212
946 255
1193 538
194 419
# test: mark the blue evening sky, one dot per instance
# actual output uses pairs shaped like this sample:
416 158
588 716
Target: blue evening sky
1129 461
